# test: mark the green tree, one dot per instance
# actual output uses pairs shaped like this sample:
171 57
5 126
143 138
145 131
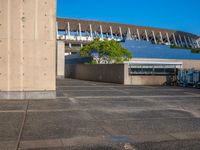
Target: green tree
107 52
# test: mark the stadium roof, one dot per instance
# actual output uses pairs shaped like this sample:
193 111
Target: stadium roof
74 26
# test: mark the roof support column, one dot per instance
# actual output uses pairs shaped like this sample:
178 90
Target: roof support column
186 42
195 43
154 37
101 30
80 33
161 37
147 37
198 45
138 34
191 42
174 37
111 32
168 40
180 40
120 32
68 30
91 35
128 36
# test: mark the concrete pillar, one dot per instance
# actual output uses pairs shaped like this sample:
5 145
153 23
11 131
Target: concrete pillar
68 30
111 32
128 36
138 34
180 40
174 37
147 37
91 32
101 30
186 42
120 32
168 40
194 42
60 69
161 37
80 31
198 45
27 49
190 41
154 37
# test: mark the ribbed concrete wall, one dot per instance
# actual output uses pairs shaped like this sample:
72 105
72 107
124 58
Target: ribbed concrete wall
27 45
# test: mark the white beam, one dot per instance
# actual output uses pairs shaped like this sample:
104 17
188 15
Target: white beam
111 32
68 29
186 41
174 37
161 37
129 37
168 38
120 31
190 41
198 44
80 32
101 30
154 37
180 40
91 35
147 38
138 34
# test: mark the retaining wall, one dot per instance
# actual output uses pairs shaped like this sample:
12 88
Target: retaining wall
111 73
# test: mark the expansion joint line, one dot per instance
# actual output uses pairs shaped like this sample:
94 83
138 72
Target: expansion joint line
22 126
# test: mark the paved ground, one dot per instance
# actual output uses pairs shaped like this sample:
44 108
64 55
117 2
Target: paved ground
99 116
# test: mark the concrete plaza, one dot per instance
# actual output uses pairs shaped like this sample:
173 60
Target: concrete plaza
100 116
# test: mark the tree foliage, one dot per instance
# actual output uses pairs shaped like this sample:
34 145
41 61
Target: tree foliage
105 52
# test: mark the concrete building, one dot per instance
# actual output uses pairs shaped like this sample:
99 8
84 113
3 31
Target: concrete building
27 49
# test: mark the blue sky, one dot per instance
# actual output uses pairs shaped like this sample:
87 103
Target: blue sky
181 15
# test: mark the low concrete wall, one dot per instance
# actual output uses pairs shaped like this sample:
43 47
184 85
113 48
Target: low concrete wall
111 73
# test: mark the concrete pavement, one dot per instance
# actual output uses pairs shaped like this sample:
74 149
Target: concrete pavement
98 116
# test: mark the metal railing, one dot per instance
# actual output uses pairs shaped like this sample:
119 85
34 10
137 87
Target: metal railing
152 69
189 77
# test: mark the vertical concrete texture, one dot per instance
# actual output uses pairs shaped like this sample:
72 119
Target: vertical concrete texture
60 59
27 45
